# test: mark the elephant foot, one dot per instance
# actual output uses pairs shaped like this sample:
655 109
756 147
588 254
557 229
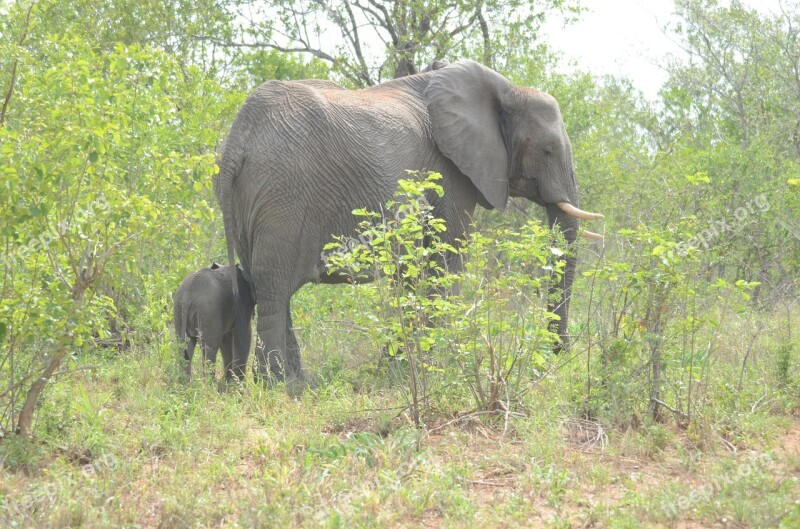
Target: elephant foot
561 345
231 385
297 385
186 373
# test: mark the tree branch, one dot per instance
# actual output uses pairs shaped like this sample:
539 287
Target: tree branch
357 44
386 21
261 45
488 60
13 81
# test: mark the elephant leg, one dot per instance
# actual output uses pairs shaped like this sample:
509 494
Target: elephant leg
210 349
239 362
241 342
188 353
277 353
271 345
291 340
227 356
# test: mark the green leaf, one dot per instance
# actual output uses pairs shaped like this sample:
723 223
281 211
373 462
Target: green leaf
698 178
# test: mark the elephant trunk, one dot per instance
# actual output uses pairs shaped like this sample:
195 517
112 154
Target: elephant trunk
561 290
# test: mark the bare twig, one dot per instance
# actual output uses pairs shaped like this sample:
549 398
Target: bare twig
473 415
488 56
747 354
727 444
678 413
12 83
260 45
356 40
591 433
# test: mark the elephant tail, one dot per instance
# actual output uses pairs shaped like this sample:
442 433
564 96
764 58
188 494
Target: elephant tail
181 317
230 164
243 314
185 337
177 318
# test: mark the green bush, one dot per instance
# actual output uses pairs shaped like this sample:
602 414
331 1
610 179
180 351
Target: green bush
463 321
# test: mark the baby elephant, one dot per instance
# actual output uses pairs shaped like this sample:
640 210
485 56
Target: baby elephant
204 311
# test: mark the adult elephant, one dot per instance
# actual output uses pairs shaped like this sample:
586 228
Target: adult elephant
302 155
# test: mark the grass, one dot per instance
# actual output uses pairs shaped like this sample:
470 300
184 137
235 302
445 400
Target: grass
124 442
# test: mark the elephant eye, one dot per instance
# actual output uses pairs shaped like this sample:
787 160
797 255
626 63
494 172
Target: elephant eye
548 150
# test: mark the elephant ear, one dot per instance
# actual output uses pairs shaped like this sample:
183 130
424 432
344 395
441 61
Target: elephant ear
464 101
213 266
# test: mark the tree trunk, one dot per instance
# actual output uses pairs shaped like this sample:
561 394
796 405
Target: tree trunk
25 423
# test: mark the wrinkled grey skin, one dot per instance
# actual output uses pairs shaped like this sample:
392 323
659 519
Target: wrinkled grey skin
301 156
203 309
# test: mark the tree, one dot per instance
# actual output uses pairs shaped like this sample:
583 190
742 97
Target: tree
253 67
733 112
367 41
103 152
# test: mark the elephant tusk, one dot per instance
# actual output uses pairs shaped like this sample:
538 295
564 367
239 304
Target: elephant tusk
571 210
592 236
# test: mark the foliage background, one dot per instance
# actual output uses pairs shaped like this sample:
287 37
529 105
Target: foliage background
684 319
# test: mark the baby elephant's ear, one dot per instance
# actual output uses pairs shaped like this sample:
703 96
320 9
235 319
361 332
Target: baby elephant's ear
213 266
